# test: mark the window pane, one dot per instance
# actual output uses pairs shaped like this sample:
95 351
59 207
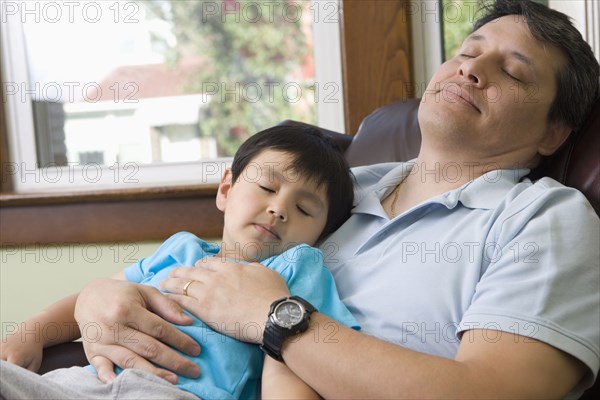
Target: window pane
164 81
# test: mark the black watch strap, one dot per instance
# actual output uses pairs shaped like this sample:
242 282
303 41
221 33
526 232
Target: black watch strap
274 335
273 340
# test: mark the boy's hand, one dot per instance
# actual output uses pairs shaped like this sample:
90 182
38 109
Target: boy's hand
16 350
126 328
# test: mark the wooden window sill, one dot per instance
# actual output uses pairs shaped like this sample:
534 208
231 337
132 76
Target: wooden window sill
140 214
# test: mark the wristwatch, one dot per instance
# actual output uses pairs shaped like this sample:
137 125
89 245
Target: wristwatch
287 317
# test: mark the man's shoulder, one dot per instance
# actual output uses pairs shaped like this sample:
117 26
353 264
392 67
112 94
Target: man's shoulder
548 196
548 189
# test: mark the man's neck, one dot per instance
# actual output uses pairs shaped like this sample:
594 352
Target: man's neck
432 177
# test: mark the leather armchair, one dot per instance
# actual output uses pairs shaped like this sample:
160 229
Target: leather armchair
391 133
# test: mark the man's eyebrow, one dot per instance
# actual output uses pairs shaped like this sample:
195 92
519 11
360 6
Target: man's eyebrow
518 55
476 37
522 57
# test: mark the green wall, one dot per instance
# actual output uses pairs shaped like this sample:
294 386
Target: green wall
33 276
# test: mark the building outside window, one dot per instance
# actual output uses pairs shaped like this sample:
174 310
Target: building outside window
131 84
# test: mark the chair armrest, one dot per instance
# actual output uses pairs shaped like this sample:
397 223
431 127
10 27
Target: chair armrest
63 356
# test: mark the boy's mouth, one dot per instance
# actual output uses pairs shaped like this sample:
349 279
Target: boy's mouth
267 229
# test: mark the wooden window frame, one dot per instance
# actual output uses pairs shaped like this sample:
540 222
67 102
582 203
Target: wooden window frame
149 214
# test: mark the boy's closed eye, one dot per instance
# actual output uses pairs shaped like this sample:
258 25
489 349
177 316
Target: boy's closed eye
266 189
303 211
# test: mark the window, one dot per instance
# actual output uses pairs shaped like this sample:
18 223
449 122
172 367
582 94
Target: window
103 94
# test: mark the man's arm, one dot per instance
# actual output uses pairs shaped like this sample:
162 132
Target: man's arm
356 365
279 383
352 364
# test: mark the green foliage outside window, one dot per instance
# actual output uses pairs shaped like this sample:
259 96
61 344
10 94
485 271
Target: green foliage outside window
253 54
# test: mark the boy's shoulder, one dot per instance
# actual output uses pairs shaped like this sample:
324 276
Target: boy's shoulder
187 242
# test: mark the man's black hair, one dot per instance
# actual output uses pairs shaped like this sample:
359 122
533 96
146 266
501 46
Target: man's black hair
577 83
315 157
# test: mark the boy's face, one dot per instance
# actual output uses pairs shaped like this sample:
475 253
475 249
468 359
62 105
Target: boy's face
269 208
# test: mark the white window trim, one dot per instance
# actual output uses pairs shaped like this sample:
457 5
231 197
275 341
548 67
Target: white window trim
426 29
328 64
28 178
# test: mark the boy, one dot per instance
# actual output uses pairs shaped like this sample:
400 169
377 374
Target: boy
288 187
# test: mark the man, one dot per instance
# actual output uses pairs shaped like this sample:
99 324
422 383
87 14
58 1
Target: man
515 315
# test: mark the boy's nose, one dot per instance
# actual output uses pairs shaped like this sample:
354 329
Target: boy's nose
278 212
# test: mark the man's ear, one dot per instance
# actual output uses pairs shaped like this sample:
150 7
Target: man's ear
223 191
556 135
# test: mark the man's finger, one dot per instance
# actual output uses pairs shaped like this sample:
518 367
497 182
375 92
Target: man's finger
152 328
104 368
178 285
142 347
167 309
213 263
208 263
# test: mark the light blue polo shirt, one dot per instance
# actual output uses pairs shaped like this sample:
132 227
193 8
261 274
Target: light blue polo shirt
499 253
231 369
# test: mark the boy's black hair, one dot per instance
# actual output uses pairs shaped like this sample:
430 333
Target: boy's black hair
315 157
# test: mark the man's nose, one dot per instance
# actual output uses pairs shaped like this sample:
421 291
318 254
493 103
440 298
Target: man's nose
473 72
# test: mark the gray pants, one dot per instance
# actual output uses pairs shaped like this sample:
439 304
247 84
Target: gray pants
78 383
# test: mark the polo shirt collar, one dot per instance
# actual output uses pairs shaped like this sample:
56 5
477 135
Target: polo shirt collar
485 192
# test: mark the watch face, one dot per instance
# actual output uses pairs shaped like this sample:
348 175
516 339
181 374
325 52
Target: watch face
288 313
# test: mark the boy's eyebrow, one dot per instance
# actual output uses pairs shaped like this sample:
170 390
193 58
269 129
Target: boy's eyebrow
313 197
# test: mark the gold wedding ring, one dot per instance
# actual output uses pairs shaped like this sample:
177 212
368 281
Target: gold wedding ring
186 287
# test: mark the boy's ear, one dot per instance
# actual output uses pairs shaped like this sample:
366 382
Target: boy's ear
223 191
556 135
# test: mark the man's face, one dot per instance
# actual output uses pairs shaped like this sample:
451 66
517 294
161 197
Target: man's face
491 101
270 208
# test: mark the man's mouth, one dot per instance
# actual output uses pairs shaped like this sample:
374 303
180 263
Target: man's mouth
456 94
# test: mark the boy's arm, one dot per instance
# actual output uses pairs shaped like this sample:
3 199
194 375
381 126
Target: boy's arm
279 382
54 325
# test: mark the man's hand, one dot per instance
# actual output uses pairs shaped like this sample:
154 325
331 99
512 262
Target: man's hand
231 298
121 324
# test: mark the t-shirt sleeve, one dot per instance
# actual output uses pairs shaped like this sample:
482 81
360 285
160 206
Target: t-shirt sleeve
306 275
543 276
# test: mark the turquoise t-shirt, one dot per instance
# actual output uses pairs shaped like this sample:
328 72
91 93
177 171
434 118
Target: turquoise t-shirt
231 369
